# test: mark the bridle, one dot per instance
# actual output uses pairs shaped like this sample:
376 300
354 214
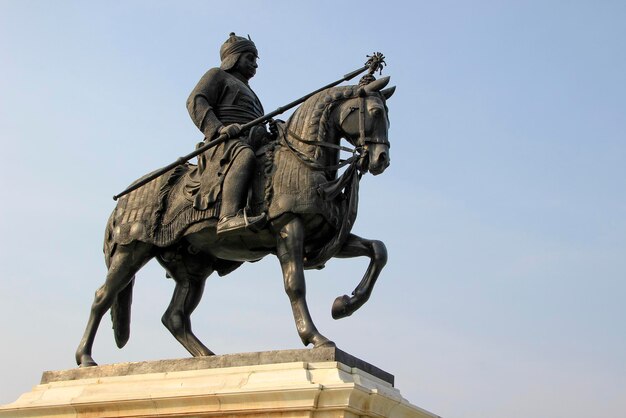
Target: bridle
359 152
364 140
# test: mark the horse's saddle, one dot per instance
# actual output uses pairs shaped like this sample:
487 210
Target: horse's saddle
160 211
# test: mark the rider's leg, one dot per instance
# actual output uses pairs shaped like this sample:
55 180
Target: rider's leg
235 194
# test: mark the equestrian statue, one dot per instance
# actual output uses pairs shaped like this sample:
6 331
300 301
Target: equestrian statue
283 189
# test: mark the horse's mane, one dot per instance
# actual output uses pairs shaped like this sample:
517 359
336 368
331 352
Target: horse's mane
311 119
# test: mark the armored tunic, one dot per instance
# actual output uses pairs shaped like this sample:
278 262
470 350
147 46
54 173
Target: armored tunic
219 99
227 100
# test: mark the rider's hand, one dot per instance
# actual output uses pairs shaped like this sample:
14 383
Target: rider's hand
231 130
273 128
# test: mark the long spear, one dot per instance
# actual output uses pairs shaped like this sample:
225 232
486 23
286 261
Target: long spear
374 63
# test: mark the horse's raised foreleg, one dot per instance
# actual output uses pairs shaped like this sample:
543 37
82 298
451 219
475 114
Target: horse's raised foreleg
190 273
124 263
356 246
290 245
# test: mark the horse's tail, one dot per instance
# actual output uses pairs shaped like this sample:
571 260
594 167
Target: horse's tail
120 310
120 314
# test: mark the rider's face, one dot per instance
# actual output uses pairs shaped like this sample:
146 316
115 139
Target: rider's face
246 65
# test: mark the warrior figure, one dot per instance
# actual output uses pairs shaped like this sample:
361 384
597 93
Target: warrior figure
220 103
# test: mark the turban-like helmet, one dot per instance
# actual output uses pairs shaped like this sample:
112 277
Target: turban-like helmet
233 48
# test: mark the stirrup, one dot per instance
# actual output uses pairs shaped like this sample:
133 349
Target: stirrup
240 222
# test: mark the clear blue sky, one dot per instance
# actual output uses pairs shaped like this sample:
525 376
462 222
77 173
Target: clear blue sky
504 209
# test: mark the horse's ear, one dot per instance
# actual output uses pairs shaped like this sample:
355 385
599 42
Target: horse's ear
377 85
387 93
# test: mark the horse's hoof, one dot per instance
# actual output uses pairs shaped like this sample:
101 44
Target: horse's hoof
340 307
327 344
321 341
88 364
205 352
87 361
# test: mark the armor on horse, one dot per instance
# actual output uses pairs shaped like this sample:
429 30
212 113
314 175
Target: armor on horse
310 205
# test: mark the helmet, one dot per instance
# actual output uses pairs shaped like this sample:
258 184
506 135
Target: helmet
233 48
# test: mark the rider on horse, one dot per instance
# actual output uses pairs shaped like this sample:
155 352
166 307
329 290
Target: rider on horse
311 207
220 103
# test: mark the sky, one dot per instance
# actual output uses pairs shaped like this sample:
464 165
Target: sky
503 210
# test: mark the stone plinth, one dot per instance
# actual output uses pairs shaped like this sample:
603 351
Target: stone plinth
294 383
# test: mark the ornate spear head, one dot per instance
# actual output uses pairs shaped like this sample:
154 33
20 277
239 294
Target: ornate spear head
376 62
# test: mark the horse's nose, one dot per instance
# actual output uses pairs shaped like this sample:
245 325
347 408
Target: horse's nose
379 164
383 159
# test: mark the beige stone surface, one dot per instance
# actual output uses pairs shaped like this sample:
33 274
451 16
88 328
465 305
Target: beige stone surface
320 354
296 389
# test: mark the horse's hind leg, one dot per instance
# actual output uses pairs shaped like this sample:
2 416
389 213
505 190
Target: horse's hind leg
124 263
290 245
356 246
190 273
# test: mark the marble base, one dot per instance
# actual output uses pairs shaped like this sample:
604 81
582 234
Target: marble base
190 388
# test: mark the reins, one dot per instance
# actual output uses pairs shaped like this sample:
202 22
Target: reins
311 163
357 152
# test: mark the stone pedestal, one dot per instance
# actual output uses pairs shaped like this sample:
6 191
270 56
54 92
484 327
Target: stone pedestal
295 383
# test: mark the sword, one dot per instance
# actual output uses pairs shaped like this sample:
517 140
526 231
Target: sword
373 64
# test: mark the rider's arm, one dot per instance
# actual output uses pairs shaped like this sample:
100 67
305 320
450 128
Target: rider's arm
201 101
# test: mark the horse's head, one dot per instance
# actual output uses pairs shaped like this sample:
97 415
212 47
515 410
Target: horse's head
364 122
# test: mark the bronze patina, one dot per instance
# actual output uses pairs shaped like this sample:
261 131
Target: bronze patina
285 192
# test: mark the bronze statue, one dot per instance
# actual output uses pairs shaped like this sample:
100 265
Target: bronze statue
299 206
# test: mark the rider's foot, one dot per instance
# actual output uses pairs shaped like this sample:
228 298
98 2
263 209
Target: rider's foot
236 224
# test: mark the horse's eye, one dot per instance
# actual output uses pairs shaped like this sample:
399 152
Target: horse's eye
376 112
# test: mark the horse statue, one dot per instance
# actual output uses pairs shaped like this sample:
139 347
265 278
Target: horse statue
310 203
